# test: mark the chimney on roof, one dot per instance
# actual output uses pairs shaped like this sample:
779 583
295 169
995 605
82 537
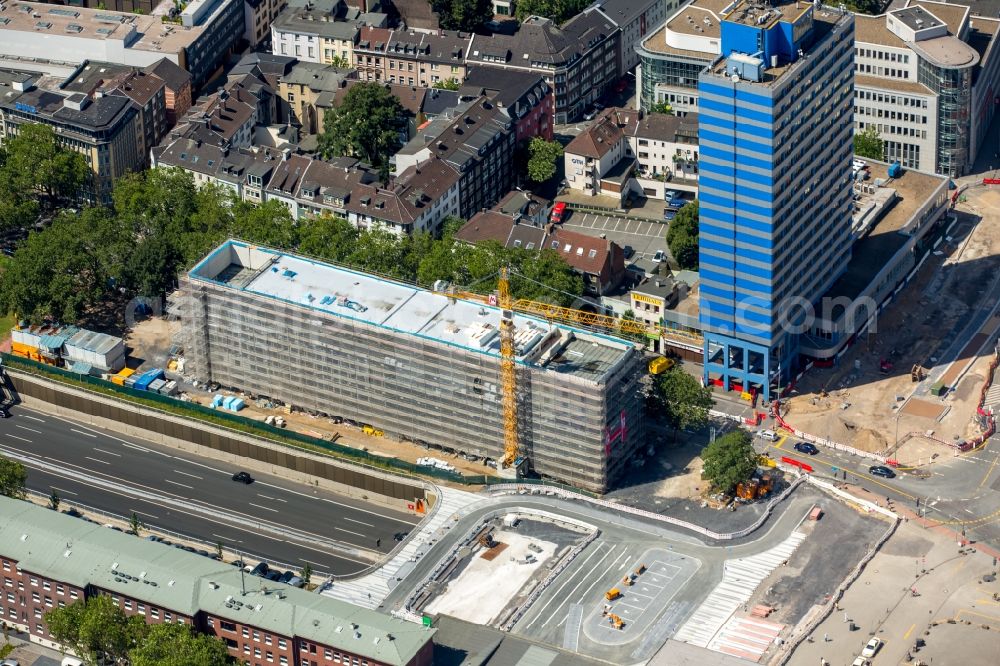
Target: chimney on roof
286 153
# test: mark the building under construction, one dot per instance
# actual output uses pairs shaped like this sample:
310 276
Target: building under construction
419 365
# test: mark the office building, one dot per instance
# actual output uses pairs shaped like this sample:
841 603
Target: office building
107 130
635 19
419 365
199 41
775 132
51 560
926 79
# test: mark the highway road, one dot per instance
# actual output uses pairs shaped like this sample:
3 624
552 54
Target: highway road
272 519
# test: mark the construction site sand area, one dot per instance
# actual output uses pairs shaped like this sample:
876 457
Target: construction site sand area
484 588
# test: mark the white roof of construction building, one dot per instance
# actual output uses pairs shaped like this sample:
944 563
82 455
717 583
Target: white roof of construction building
407 309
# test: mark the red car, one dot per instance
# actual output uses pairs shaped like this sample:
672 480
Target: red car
558 211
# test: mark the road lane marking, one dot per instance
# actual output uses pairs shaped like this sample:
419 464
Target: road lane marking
266 508
23 439
359 522
193 476
341 529
117 455
31 429
557 594
88 434
198 464
65 492
989 471
276 499
104 462
907 634
585 579
33 418
227 538
143 513
174 483
395 519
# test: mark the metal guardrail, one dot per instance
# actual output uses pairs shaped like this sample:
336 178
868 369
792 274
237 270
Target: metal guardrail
212 547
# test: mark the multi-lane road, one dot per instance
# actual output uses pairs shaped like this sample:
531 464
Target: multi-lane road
272 518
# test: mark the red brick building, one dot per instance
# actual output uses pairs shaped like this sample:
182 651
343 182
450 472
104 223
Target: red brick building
49 560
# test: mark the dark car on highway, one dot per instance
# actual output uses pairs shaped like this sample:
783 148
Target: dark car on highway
881 470
806 447
243 477
399 536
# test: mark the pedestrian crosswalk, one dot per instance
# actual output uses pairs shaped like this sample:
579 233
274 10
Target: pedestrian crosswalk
992 398
369 591
739 580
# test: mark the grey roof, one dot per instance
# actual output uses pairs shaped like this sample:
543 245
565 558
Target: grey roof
455 136
81 553
173 75
101 113
445 47
539 38
92 341
622 12
461 643
438 101
295 20
91 75
317 76
506 86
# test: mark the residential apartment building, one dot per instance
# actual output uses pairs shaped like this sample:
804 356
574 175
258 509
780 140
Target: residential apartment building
411 58
258 16
418 200
600 262
775 128
926 78
50 560
476 138
600 160
308 90
527 98
207 32
107 130
666 148
177 90
635 19
579 60
322 31
132 6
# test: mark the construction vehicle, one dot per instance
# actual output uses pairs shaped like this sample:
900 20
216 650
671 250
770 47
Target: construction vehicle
755 488
487 541
615 621
612 594
918 373
373 431
660 364
627 580
641 569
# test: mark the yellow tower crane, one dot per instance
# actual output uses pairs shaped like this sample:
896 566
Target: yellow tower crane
508 370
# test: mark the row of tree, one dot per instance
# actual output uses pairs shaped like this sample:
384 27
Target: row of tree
99 632
682 236
87 262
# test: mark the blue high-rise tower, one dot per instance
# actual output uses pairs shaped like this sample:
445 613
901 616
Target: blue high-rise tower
776 141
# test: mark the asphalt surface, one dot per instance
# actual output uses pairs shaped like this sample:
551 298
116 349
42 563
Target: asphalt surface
272 518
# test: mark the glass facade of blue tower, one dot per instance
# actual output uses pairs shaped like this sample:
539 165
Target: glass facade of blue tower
776 143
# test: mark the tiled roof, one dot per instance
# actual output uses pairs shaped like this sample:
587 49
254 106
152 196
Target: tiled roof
175 76
604 133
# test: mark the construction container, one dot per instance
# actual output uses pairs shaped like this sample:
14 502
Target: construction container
143 381
156 385
938 389
236 404
121 376
170 388
895 170
129 382
100 350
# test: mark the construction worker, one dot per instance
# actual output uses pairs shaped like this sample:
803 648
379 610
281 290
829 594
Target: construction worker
378 543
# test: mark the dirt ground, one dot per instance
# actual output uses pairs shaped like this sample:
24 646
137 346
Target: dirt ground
856 404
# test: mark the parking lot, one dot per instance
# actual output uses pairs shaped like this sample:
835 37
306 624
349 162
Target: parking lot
646 238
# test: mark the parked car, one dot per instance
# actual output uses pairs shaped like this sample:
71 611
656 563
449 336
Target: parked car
243 477
287 576
769 435
628 251
295 581
589 115
873 645
806 447
659 256
273 576
884 472
259 570
669 214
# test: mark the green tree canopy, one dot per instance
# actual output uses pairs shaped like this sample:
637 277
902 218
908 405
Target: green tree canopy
366 125
682 236
178 645
729 460
557 10
38 164
868 143
542 163
13 478
449 84
96 629
662 107
681 399
467 15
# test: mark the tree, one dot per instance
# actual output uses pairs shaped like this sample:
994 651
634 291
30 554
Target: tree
466 15
340 62
557 10
662 107
96 629
269 223
681 399
868 143
682 236
450 84
13 477
328 237
42 165
218 549
366 125
307 572
54 500
178 645
729 460
135 524
629 316
542 163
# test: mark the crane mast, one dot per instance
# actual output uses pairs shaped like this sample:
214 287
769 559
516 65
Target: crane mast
508 373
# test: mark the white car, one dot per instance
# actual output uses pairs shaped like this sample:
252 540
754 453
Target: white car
860 661
872 647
